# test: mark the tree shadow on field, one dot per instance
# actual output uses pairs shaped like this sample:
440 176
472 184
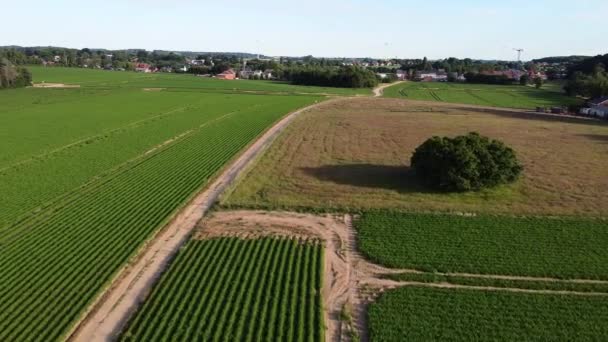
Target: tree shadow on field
390 177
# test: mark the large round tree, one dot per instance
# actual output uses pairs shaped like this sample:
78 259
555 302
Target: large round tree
464 163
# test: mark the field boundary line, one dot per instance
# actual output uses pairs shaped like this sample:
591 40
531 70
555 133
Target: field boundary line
500 276
446 285
110 311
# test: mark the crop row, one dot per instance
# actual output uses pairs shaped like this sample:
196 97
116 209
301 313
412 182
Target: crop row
431 314
527 246
229 289
54 264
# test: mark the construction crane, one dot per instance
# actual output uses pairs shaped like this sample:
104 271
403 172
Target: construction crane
519 51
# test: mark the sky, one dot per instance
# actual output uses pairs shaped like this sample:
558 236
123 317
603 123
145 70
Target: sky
487 29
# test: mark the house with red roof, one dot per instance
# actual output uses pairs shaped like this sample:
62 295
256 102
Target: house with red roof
143 67
226 75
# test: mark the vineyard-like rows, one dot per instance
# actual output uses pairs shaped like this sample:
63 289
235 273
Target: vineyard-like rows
54 263
428 314
531 246
229 289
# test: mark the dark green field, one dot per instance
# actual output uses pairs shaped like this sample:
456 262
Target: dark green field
428 314
502 245
481 94
228 289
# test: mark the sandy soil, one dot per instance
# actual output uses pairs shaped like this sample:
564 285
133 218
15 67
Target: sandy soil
55 85
106 317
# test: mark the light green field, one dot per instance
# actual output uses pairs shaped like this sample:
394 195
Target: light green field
428 314
228 289
173 82
87 175
481 94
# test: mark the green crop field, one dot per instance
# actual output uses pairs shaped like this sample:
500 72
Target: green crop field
228 289
172 82
87 175
426 314
533 246
80 134
481 94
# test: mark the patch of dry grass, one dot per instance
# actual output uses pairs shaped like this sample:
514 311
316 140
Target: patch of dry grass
355 154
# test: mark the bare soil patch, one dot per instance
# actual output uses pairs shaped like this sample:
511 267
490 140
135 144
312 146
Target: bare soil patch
355 152
55 85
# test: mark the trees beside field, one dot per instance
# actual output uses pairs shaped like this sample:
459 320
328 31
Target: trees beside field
488 79
594 84
12 76
588 77
343 77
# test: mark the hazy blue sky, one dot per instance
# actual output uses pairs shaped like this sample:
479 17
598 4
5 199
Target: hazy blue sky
435 28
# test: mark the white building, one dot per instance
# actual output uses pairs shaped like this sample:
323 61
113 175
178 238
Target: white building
598 107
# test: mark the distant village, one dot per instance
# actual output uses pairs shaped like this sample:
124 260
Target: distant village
389 69
328 71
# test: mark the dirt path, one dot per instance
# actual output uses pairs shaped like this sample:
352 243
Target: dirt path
112 309
379 90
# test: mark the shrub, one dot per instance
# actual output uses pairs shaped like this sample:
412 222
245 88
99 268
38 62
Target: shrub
464 163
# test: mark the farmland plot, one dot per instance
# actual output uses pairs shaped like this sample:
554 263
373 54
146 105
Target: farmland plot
55 262
355 154
541 247
71 145
175 82
232 289
416 313
480 94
